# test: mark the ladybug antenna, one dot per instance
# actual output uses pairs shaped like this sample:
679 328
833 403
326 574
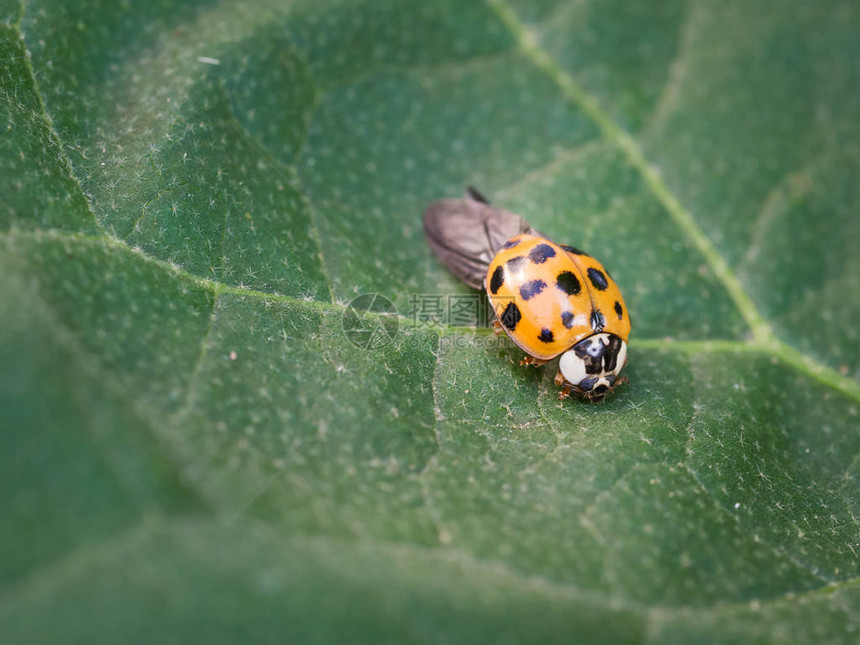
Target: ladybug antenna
476 195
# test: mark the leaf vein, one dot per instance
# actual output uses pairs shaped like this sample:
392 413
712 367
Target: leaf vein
63 159
787 354
677 70
762 332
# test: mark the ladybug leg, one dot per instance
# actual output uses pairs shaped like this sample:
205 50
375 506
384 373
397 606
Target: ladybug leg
497 327
566 388
534 362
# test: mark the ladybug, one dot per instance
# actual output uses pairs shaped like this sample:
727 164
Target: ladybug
550 299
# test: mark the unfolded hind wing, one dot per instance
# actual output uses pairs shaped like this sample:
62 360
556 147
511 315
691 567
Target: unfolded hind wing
465 234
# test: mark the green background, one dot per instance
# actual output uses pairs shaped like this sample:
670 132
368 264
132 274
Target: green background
190 193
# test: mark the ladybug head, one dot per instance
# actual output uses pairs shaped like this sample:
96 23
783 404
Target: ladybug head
592 366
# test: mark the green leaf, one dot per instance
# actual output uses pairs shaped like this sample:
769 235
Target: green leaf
194 447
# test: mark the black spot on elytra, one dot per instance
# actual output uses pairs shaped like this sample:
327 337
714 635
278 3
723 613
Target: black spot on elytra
515 264
568 282
540 253
598 322
567 318
597 279
532 288
546 335
511 316
574 250
510 244
497 280
619 310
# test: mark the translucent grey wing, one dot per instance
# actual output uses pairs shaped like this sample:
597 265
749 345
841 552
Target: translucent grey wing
465 234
